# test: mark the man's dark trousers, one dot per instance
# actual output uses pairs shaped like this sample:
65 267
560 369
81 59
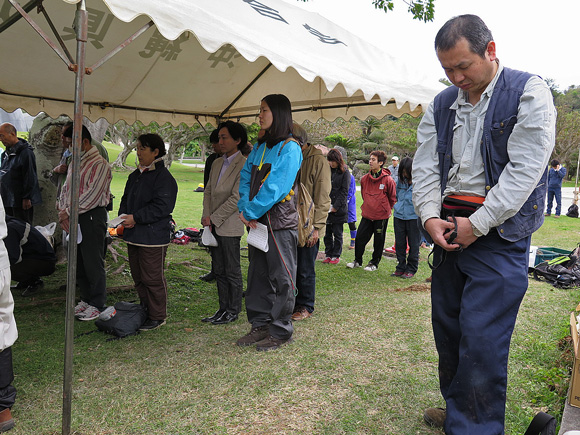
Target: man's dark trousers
7 391
91 275
557 195
367 229
306 276
475 295
225 260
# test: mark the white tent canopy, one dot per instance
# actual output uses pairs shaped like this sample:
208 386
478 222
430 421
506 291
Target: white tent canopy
202 60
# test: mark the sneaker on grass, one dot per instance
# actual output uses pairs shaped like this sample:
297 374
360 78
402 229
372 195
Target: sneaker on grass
353 265
91 313
334 260
80 308
371 267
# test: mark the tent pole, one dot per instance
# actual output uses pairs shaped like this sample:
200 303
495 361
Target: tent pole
81 23
576 183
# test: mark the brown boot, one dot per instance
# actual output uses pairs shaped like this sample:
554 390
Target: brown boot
435 417
6 420
255 335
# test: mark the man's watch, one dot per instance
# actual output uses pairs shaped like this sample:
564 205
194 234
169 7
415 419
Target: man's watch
476 232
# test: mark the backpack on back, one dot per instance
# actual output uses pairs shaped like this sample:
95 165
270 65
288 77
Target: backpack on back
305 206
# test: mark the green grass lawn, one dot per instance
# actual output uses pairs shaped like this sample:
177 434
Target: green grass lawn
365 363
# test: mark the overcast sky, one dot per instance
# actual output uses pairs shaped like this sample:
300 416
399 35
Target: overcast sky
538 36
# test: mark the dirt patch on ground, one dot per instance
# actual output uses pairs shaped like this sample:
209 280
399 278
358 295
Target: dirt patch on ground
425 287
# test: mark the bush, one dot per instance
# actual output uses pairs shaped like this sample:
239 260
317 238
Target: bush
363 167
377 136
369 146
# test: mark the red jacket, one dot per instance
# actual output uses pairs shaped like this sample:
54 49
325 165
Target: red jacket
379 195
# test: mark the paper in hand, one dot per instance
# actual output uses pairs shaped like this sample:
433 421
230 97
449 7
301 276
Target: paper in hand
258 237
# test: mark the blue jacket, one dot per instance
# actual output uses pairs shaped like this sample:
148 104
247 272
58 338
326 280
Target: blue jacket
150 197
351 198
499 122
18 176
404 207
277 168
555 178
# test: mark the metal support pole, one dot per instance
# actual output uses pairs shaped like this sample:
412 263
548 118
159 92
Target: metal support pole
81 25
576 183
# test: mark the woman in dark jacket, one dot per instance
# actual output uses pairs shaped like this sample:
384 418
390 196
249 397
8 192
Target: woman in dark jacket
340 177
147 204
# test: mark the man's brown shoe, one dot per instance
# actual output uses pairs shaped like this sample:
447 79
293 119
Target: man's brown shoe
6 420
435 417
272 343
301 314
255 335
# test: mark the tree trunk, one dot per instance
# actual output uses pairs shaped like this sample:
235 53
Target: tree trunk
97 129
122 157
44 136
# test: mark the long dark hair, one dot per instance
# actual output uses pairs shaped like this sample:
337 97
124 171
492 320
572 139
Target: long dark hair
336 156
281 128
405 168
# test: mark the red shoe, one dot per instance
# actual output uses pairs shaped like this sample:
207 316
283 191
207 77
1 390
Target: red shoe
334 260
326 260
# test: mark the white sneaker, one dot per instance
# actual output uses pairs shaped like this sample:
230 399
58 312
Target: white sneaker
91 313
371 268
353 265
80 308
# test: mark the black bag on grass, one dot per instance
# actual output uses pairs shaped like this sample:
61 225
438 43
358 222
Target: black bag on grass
126 320
561 272
542 424
572 211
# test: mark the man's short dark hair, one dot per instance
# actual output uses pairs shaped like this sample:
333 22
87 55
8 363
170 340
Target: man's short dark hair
153 141
214 136
67 131
554 163
236 130
380 155
470 27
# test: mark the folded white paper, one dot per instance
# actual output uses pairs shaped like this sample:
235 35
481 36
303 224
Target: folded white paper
114 223
258 237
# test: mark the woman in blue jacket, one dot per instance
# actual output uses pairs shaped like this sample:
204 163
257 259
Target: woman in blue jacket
147 204
267 185
405 224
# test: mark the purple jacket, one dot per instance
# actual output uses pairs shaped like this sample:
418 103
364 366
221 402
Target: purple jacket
351 198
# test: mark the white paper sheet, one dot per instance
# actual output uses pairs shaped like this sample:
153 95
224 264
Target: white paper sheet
258 237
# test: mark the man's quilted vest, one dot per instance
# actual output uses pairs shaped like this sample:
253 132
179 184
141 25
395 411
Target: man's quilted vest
499 122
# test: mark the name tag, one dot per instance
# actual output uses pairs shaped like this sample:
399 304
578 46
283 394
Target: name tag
382 186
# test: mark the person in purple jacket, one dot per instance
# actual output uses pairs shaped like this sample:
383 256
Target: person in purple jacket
351 218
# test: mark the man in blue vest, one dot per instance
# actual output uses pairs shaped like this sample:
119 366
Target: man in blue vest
479 179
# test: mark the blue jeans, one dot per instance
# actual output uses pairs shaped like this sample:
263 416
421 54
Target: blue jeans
475 295
554 193
306 277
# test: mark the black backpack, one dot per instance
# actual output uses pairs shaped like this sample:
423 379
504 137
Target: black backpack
126 320
572 211
561 272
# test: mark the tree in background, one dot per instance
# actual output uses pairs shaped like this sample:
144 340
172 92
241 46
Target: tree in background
368 125
423 10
